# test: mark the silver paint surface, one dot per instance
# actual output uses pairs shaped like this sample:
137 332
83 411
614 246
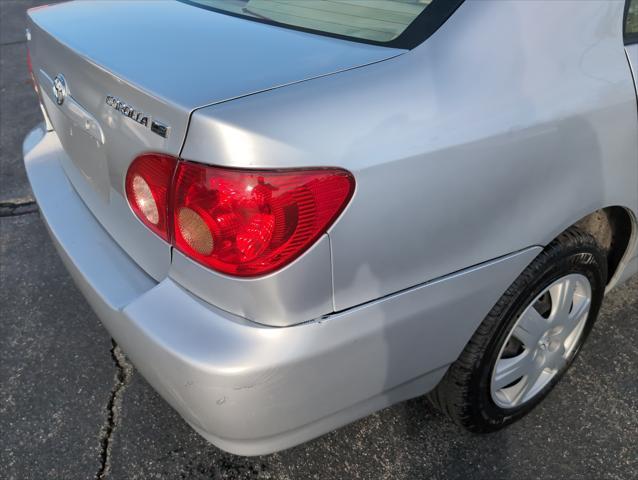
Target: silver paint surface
190 57
470 153
179 58
504 128
252 389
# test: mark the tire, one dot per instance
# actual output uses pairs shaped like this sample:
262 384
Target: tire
469 393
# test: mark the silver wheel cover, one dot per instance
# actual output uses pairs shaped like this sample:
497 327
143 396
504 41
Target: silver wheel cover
540 345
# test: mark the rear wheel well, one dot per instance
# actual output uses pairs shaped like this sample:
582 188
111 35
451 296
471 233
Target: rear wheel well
612 228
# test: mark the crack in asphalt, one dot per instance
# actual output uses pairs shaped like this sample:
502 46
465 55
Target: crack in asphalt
18 206
123 373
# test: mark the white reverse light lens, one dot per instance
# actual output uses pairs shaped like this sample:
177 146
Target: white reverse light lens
145 200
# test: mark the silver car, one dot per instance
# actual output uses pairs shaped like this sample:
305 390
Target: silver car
291 214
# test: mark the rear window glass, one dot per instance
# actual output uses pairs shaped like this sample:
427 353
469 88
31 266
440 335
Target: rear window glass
631 22
373 21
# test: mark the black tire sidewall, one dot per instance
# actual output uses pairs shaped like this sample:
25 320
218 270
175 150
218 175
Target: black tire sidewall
579 259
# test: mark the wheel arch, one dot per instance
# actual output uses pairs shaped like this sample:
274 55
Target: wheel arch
616 230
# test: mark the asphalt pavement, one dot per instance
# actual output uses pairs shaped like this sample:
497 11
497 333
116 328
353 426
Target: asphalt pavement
73 407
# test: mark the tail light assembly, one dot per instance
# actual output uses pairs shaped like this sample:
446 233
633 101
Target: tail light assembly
31 74
239 222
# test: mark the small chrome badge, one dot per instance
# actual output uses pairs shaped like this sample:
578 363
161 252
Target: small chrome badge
59 89
137 116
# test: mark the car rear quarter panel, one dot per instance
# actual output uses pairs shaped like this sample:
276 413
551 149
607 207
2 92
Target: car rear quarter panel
179 58
508 125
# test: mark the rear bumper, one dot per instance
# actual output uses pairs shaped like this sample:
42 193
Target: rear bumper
247 388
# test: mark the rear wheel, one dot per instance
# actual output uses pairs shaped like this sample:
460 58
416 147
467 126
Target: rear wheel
529 338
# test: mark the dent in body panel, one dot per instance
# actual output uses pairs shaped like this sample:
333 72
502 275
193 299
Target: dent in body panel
504 128
250 388
299 292
240 383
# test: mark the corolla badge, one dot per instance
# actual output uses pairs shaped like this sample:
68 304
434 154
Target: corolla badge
137 116
59 88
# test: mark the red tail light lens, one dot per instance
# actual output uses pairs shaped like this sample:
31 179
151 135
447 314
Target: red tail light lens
248 223
148 182
31 75
29 64
239 222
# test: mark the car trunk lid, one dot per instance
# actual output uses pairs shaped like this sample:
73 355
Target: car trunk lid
129 87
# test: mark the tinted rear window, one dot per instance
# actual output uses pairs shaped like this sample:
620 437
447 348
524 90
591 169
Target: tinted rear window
392 22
